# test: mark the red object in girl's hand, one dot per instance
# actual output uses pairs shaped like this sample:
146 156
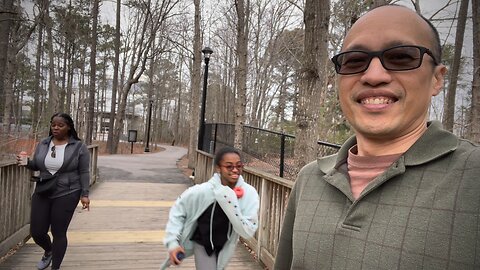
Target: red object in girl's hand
238 191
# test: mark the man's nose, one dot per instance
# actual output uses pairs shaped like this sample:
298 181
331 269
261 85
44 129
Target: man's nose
376 73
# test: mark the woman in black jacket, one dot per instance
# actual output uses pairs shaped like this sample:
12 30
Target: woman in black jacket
63 160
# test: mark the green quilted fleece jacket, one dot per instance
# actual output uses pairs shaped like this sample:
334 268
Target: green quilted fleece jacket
421 213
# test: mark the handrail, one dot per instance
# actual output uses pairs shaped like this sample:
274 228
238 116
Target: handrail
273 192
15 200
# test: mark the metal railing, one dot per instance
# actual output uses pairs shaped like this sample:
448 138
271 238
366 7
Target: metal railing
269 151
273 191
15 200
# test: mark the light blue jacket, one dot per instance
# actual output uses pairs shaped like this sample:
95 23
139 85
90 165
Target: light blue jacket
242 213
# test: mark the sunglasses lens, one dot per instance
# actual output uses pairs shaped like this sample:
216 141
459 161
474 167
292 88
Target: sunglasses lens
231 167
402 58
352 62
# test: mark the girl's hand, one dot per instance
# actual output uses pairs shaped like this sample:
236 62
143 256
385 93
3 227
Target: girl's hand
173 255
85 203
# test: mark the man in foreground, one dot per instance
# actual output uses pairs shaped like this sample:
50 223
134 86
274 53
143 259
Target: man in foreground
402 193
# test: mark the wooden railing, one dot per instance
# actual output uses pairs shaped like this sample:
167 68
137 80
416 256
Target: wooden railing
15 194
15 199
273 191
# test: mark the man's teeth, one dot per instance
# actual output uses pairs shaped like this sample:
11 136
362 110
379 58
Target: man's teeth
377 100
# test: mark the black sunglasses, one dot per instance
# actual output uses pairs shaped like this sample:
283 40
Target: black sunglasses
54 154
398 58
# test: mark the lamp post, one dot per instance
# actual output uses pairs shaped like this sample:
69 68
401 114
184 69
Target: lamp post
150 105
206 56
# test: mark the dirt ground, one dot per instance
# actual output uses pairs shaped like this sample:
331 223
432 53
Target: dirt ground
182 164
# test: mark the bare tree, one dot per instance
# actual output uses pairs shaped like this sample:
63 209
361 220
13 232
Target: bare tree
148 23
53 99
378 3
6 16
313 79
269 21
449 111
116 65
93 73
242 43
19 35
475 121
195 86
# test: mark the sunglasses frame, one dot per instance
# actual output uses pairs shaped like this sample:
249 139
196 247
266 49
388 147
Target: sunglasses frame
231 167
380 55
53 154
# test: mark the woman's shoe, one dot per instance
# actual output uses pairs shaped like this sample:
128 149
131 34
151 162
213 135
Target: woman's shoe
45 261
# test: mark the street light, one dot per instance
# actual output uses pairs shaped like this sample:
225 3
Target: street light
206 56
150 105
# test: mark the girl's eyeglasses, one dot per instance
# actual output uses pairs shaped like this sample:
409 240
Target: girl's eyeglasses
230 167
54 154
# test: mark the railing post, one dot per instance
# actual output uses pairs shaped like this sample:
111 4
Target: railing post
282 154
262 230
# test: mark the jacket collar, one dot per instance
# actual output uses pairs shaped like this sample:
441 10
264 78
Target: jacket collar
50 138
434 143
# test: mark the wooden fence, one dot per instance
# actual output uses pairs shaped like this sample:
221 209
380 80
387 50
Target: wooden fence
15 198
273 191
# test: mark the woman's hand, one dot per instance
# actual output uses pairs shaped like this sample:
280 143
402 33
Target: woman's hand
85 202
173 255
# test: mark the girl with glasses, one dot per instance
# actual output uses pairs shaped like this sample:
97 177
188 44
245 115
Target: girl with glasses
207 219
63 160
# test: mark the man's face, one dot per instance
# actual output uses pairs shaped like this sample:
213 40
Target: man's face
382 104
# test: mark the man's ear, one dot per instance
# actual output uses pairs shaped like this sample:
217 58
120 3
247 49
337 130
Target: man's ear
438 79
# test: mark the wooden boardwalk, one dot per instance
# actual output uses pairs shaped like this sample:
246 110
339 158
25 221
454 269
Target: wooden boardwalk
122 230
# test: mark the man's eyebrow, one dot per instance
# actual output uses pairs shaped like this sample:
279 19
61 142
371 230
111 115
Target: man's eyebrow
361 47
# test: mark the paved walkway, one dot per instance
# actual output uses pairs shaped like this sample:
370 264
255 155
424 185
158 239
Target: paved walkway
128 212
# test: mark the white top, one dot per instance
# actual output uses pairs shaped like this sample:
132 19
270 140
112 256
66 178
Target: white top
54 164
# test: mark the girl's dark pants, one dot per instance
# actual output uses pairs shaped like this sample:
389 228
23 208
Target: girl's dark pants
57 214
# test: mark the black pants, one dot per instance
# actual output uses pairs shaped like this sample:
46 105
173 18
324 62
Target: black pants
57 214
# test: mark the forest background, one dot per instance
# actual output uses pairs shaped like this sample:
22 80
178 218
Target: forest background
270 67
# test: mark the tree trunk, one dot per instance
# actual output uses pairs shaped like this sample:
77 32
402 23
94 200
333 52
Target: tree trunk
242 43
195 90
69 102
36 109
93 73
110 145
9 79
475 121
312 79
53 100
6 16
178 107
449 111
